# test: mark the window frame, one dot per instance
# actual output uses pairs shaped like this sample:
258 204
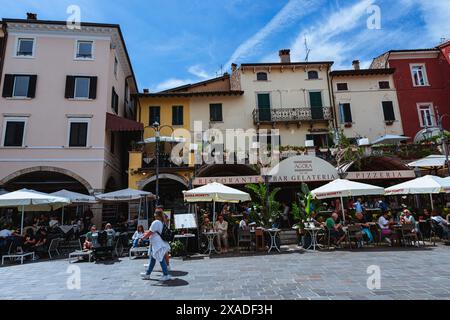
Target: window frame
177 107
75 88
116 66
150 115
432 115
384 81
316 72
14 119
79 120
261 73
210 112
77 46
393 111
342 113
341 83
16 47
14 87
425 74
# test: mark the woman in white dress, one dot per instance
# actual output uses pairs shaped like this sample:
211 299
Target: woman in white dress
158 248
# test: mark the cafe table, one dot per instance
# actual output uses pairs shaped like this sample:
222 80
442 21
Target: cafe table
313 232
211 235
273 239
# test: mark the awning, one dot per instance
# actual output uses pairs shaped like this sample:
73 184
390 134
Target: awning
118 124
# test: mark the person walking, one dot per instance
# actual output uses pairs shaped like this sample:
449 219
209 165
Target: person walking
159 248
166 222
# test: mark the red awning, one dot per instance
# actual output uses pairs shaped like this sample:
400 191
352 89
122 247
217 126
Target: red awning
115 123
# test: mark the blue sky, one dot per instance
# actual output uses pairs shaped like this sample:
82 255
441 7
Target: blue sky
173 42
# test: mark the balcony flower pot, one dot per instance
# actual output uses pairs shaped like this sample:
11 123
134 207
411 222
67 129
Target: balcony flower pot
348 125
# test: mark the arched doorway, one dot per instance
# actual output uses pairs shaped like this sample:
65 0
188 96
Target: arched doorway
171 189
47 181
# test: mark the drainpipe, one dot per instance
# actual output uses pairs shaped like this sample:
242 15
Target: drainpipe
3 52
332 100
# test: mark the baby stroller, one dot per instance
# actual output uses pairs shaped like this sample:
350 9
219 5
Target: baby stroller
103 249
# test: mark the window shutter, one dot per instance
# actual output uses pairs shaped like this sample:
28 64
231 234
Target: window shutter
388 110
93 88
32 86
70 87
8 86
346 113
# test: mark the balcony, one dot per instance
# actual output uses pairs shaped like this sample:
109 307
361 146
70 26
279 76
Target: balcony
292 115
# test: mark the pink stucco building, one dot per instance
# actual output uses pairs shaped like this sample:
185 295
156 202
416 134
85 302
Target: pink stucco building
66 106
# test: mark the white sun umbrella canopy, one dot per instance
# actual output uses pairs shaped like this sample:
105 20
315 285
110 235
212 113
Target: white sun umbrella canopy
216 192
345 188
424 185
390 139
30 200
433 161
75 198
124 195
164 139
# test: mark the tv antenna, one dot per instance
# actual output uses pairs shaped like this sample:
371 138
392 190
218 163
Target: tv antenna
307 50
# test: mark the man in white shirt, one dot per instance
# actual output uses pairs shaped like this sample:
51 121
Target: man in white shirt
221 227
5 233
384 224
442 222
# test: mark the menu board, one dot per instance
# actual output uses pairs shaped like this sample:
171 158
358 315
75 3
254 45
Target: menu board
185 221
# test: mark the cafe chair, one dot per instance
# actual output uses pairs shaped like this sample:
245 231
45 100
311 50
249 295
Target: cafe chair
244 237
355 234
409 235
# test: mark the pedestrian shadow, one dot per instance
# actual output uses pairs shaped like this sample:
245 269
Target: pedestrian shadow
172 283
107 262
176 273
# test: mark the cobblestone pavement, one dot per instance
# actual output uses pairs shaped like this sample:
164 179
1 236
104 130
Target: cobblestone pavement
342 275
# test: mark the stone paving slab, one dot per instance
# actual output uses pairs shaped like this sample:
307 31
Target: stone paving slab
338 275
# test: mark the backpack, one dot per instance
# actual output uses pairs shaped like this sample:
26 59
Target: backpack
167 235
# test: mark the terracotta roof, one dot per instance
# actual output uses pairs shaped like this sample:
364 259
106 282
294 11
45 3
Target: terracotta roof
190 94
362 72
291 64
197 84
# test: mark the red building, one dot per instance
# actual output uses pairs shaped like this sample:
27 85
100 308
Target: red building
422 80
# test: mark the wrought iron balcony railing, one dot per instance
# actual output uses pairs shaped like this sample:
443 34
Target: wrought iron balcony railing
292 115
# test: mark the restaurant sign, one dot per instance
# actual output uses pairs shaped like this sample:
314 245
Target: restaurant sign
381 175
241 180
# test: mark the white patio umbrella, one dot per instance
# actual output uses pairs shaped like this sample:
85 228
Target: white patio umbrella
216 192
433 161
164 139
124 195
75 198
424 185
390 139
30 200
345 188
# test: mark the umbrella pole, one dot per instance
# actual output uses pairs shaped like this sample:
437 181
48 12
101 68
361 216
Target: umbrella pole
214 212
431 199
22 222
343 208
62 216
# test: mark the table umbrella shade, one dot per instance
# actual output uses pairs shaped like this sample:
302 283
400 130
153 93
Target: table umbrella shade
424 185
345 188
164 139
216 192
390 139
75 198
433 161
124 195
30 200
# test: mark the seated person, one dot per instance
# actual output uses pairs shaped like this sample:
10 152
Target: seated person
206 225
385 223
221 227
41 241
436 217
110 235
243 224
336 231
91 239
53 222
361 220
7 234
137 238
409 219
29 240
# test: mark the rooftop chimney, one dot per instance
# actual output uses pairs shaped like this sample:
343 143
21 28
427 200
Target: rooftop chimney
233 67
356 65
285 56
146 91
31 16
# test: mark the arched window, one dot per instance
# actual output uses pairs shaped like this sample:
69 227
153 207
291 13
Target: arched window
261 76
313 75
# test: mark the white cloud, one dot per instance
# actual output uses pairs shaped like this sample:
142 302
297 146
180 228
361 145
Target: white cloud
199 72
436 14
292 11
171 83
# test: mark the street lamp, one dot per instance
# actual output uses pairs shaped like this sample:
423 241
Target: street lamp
445 140
157 127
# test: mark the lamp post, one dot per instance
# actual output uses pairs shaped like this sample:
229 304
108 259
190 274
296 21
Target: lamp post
157 127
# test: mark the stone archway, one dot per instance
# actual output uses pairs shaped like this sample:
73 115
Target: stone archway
22 172
143 183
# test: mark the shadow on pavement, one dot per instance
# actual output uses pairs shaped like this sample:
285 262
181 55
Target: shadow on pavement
172 283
